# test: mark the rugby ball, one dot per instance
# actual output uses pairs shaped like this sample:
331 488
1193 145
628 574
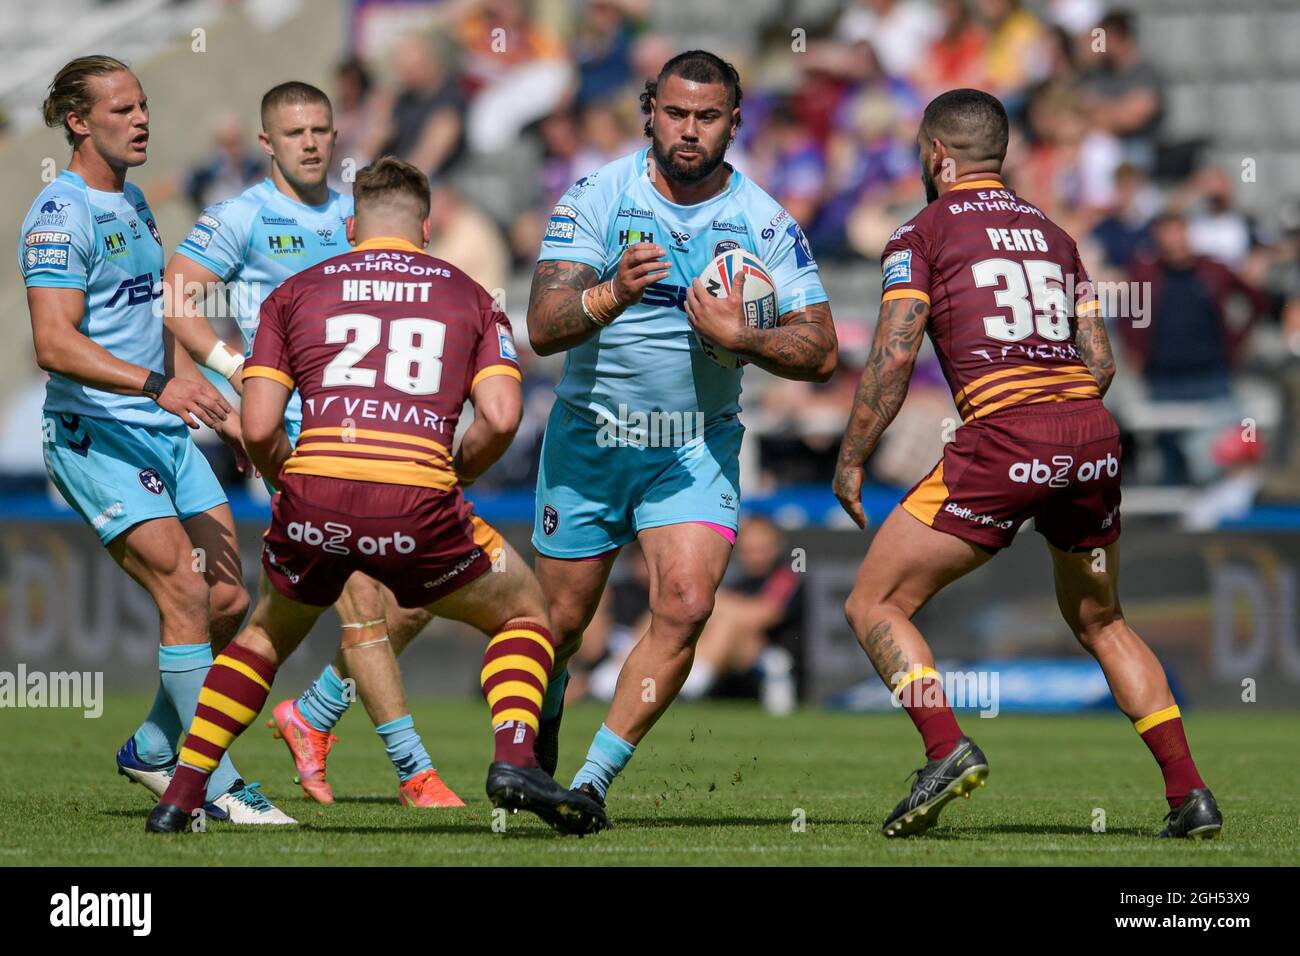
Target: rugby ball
760 297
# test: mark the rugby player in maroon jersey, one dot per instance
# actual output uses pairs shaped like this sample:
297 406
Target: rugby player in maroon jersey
1019 333
385 344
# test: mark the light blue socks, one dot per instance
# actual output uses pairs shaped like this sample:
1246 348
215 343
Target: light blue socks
405 749
184 666
155 740
324 703
607 757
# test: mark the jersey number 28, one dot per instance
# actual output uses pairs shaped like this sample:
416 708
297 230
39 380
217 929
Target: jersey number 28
414 362
1024 289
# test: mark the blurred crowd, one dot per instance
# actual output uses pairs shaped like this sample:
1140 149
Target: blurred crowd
505 110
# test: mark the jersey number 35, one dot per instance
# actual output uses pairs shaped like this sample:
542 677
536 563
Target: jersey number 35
1035 305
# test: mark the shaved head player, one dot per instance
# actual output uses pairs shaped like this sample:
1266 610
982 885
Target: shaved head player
1011 312
287 222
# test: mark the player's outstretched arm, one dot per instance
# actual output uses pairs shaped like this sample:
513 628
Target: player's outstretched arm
186 284
62 349
498 408
1093 343
558 316
880 394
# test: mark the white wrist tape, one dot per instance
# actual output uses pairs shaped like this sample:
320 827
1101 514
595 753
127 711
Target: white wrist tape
221 361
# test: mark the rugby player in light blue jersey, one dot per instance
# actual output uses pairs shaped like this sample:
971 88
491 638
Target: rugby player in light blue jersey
244 248
617 288
120 396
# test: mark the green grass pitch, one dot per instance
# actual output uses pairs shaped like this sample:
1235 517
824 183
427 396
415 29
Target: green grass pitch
713 784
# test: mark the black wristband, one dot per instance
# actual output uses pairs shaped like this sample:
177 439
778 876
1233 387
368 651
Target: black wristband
154 384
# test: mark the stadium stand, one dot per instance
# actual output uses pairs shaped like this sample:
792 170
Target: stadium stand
828 128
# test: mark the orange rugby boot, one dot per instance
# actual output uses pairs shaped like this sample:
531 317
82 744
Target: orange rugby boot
426 789
308 746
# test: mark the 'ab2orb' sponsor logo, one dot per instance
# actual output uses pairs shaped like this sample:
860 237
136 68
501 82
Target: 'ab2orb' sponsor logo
304 532
1057 474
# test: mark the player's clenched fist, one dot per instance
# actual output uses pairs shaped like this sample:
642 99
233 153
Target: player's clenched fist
847 486
194 402
643 263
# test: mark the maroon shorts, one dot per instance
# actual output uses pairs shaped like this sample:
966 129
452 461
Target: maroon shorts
1057 464
420 542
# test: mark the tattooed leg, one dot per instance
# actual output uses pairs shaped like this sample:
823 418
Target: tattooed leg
908 563
886 657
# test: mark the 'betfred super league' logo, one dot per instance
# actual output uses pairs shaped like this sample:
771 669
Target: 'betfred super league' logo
550 520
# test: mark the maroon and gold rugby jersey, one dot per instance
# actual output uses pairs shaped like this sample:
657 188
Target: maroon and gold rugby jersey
384 344
1005 285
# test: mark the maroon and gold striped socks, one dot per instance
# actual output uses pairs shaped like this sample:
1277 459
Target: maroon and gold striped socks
233 693
921 694
1163 733
514 676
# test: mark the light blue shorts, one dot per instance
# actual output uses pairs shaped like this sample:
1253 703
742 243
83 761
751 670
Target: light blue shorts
116 475
596 493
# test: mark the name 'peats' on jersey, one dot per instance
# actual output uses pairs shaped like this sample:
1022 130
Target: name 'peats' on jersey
1005 286
384 343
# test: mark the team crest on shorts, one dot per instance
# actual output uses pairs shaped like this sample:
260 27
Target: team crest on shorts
550 520
152 481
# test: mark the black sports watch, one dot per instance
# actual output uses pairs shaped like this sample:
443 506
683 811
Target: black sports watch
154 384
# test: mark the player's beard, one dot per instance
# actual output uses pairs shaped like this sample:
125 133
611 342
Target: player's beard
927 180
679 173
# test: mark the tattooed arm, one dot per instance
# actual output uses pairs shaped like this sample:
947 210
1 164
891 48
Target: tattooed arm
880 395
556 320
803 346
1091 340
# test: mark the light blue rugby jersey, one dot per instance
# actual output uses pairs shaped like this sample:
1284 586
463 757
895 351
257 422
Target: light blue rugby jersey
648 359
260 238
107 245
